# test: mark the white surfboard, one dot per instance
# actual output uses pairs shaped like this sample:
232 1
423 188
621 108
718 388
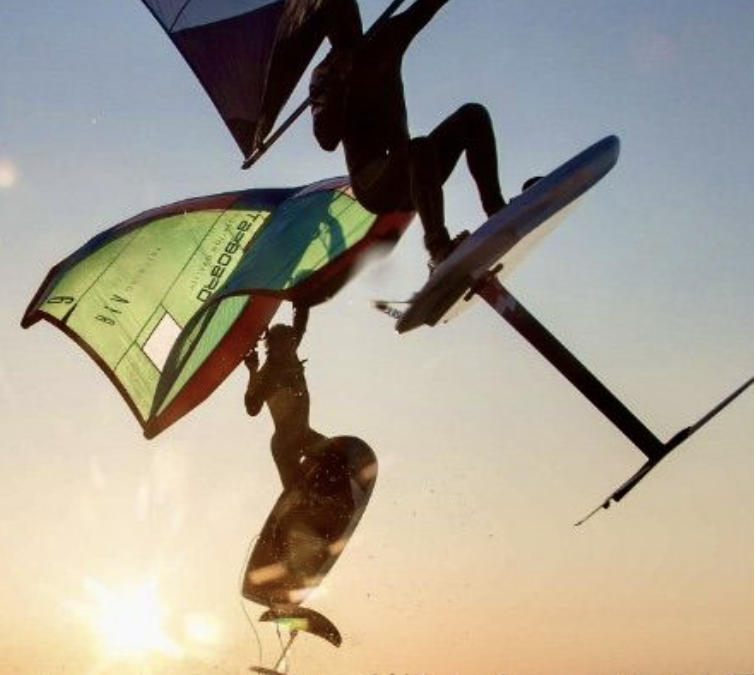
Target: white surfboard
524 219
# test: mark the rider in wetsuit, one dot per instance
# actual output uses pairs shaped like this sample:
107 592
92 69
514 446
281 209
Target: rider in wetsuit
357 99
281 384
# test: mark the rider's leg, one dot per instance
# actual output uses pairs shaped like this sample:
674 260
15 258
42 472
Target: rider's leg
469 130
432 160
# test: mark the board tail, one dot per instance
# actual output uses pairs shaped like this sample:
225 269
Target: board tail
390 308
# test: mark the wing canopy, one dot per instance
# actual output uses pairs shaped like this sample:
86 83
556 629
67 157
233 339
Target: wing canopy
167 303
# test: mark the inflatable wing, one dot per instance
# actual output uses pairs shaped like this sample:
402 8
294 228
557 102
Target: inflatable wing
228 45
248 55
169 302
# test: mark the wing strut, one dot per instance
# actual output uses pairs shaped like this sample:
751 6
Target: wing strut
275 135
509 308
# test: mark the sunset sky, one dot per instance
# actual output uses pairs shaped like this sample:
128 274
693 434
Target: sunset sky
467 561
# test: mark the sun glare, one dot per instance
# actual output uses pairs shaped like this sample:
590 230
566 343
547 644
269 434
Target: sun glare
201 629
130 621
8 173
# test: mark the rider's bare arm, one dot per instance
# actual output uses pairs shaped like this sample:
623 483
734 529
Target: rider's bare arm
255 394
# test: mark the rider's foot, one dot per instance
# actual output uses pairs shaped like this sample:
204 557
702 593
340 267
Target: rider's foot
492 208
446 250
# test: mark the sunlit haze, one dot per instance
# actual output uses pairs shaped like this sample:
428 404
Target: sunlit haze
122 555
8 173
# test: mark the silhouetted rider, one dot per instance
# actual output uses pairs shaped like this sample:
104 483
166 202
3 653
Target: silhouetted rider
357 98
281 384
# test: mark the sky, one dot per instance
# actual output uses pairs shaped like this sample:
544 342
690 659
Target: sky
466 561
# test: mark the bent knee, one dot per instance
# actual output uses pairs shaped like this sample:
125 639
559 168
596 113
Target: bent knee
473 114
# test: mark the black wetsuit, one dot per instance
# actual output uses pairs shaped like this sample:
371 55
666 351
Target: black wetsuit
357 97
